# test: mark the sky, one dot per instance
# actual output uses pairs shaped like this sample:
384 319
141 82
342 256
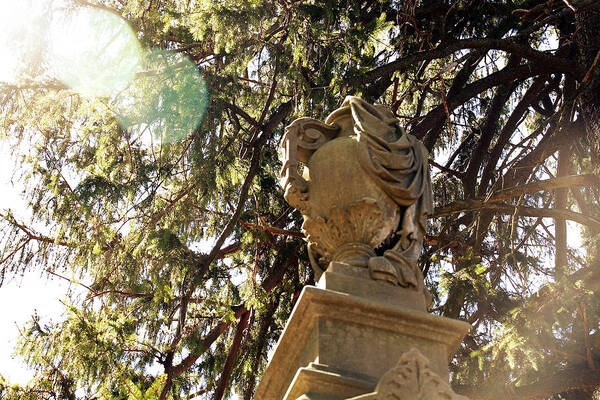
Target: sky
21 297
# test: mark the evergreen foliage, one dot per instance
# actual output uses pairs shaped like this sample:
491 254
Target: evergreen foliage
187 260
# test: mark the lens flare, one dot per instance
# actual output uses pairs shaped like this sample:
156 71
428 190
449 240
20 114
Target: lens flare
21 36
166 102
93 51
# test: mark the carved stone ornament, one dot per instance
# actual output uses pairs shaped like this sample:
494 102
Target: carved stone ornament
364 191
412 379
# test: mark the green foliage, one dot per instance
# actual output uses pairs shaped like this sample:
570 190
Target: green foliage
161 202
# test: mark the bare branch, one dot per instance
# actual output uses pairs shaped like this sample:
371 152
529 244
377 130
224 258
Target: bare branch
275 230
241 113
516 191
546 184
475 205
436 115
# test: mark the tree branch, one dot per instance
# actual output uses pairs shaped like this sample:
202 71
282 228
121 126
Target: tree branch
436 115
516 191
280 113
275 230
488 129
207 340
268 284
546 184
550 61
231 356
507 131
31 235
475 205
547 296
550 142
241 113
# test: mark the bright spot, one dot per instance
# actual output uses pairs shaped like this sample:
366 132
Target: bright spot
166 102
574 239
28 295
21 33
93 51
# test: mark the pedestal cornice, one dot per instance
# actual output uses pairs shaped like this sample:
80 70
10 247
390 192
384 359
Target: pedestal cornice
323 319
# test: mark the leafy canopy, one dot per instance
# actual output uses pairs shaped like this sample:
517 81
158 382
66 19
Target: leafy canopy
156 193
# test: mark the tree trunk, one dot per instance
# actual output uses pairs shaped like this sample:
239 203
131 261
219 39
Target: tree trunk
587 37
560 224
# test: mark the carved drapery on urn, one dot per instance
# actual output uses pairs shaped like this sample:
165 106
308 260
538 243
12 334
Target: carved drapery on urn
365 190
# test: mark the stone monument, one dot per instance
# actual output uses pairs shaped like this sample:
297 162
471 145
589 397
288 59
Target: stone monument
363 332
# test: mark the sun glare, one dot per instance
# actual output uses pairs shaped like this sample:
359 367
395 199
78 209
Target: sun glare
16 27
159 96
93 51
166 102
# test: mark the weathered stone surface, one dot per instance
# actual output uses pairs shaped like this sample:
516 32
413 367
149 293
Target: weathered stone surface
411 379
364 194
316 381
353 280
335 337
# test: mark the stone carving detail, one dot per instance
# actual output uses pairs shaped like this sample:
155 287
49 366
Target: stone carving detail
364 193
356 223
301 139
411 379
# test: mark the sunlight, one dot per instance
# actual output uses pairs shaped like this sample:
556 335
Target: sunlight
159 96
165 102
16 19
93 51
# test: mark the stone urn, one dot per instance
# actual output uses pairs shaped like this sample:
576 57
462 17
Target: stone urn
364 191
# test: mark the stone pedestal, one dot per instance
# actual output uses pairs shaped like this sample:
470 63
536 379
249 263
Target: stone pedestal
341 277
339 345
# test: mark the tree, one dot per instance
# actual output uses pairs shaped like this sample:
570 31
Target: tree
191 261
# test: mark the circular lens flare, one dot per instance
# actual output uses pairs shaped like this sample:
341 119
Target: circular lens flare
166 102
93 51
